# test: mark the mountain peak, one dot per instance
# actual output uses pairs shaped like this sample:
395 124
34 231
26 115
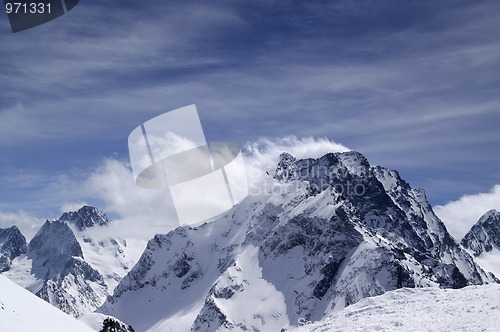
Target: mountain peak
286 168
343 231
86 217
12 244
488 215
65 279
289 168
484 235
53 239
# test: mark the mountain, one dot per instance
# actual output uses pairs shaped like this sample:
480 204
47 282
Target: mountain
64 278
22 311
483 241
85 217
484 236
320 236
70 262
416 309
111 255
12 244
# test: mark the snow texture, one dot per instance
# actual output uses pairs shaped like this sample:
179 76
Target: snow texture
473 308
21 311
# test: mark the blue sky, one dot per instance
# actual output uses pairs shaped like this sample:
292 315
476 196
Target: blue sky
413 85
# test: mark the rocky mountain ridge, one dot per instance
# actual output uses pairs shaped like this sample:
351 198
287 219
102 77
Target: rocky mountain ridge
85 217
332 231
12 244
70 268
484 236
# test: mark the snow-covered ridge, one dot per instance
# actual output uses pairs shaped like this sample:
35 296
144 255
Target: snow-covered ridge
473 308
85 217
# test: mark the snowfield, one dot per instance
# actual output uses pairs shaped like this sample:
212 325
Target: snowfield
22 311
473 308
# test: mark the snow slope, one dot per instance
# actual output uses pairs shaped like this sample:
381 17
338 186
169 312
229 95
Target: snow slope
22 311
55 270
473 308
112 256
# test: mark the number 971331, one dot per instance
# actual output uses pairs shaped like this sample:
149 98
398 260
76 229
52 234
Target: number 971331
27 8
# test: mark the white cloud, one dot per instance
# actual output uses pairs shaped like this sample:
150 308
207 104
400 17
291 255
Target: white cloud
27 224
143 213
264 154
460 215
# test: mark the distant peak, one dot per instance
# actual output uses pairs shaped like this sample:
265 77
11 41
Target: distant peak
86 217
485 234
12 244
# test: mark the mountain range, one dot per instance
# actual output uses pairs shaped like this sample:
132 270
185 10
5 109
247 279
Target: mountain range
72 269
318 236
329 233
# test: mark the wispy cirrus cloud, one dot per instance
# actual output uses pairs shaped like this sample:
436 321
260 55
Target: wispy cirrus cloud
413 86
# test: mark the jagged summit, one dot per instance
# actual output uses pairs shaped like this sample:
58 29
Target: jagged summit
286 169
86 217
55 239
73 270
335 230
62 276
484 235
12 244
289 168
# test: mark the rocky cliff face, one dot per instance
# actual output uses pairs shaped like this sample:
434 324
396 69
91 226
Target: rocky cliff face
65 279
12 244
484 236
85 217
330 232
74 268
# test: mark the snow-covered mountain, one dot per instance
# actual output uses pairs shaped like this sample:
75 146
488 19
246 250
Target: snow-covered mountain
484 236
12 244
22 311
322 235
473 308
110 254
55 270
70 262
483 241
